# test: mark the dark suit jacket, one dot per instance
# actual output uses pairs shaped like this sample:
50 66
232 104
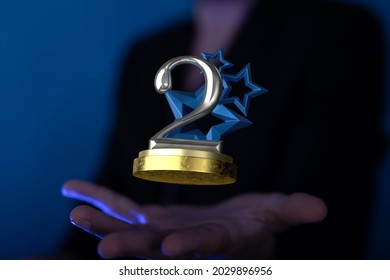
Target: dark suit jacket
316 131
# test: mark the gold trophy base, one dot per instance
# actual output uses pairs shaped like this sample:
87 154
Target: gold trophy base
185 166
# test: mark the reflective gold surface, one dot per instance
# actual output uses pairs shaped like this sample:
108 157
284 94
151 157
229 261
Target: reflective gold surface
184 166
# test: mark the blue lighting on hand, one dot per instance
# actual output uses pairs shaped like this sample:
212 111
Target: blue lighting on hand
133 217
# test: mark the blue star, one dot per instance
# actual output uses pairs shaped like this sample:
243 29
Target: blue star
224 64
232 122
182 103
242 105
218 54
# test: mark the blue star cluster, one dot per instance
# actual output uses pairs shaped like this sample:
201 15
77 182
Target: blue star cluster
182 103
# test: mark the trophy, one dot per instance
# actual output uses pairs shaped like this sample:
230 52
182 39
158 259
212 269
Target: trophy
191 157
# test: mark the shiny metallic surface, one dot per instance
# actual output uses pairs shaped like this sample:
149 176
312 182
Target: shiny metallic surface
173 143
212 94
185 161
188 153
182 169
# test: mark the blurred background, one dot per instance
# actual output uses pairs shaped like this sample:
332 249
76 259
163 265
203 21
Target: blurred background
59 68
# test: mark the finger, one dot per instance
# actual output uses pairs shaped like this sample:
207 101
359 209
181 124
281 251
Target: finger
206 240
95 221
114 204
301 208
279 211
137 242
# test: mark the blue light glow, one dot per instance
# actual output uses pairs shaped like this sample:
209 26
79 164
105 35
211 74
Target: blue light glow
132 217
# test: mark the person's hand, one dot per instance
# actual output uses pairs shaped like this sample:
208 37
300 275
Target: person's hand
242 227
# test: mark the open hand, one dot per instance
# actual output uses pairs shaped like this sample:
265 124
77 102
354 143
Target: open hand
241 227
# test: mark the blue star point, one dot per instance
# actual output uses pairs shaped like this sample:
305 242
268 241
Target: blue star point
218 55
182 103
256 90
179 101
232 122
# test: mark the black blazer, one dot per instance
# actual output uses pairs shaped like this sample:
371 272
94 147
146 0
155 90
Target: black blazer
315 131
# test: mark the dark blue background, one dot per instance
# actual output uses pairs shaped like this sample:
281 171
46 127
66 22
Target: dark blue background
59 65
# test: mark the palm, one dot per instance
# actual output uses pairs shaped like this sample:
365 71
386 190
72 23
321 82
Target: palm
243 226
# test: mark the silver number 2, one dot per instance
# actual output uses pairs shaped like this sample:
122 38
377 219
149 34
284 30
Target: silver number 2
212 95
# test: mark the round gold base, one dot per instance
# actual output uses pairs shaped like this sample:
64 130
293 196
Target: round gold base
184 166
